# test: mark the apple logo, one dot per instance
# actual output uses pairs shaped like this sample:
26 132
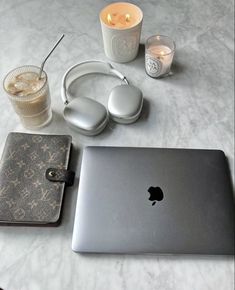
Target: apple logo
156 194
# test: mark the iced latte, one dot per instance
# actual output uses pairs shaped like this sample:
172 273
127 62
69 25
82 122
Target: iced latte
29 95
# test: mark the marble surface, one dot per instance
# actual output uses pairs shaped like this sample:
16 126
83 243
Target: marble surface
193 108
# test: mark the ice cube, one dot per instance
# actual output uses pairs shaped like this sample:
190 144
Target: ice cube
22 86
25 84
17 88
37 85
11 88
28 76
21 93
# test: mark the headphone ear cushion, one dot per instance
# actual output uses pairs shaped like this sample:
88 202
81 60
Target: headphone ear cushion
87 116
125 104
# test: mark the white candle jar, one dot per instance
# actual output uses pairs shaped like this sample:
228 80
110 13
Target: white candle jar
29 95
121 24
159 53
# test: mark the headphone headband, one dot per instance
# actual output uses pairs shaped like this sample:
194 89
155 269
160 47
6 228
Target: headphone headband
84 68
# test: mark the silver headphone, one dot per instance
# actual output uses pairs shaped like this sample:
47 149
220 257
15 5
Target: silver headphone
90 117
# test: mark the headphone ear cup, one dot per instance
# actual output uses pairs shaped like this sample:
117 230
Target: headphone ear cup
125 104
87 116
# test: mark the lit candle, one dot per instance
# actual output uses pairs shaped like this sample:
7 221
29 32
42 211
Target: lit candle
121 24
120 20
159 55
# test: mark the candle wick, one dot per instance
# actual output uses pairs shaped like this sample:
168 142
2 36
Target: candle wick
109 18
128 17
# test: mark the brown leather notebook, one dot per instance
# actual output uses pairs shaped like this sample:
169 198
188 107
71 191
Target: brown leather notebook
33 175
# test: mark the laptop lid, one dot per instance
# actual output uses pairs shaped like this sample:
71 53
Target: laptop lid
149 200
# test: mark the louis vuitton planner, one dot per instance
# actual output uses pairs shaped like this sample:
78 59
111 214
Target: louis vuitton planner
33 175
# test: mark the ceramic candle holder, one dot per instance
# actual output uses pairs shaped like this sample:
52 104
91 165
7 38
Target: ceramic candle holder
159 52
121 28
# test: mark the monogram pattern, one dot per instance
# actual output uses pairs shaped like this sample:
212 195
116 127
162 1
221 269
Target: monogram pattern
45 147
37 139
34 155
41 165
15 182
25 193
20 164
45 194
25 146
19 214
37 183
3 191
11 203
29 173
9 172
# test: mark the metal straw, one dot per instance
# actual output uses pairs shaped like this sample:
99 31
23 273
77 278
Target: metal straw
43 63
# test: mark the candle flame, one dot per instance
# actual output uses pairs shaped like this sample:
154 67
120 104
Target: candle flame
128 17
109 18
162 52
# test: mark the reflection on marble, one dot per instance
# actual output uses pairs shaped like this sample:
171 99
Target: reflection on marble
193 109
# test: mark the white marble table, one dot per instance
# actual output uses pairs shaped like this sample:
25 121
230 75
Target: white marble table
191 109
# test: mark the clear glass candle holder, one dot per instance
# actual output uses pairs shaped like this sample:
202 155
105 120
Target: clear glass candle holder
159 53
29 95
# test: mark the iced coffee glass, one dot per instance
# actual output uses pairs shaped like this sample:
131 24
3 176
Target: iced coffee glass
29 95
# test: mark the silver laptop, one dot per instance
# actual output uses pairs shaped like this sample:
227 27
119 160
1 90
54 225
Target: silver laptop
148 200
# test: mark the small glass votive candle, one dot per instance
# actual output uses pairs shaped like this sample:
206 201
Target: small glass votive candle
159 53
29 95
